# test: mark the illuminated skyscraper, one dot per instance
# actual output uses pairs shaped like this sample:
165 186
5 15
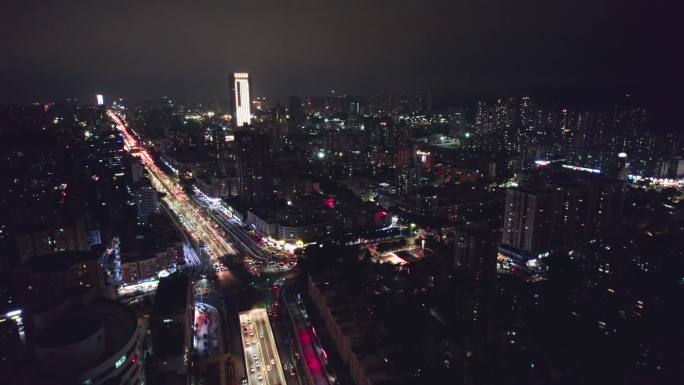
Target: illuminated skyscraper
240 98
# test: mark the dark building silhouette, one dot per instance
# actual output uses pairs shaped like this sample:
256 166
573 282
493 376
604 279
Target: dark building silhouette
475 250
171 326
296 113
253 155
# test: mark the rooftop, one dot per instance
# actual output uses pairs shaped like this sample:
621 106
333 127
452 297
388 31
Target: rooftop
172 295
116 320
358 324
62 260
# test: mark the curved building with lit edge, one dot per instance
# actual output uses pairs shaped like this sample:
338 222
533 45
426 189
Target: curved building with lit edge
95 343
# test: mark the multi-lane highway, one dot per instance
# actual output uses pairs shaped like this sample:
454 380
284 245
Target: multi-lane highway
307 341
209 228
229 224
176 200
244 240
261 354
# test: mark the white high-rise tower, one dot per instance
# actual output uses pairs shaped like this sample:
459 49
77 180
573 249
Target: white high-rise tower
241 99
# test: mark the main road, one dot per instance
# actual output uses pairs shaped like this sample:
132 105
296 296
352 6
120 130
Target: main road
176 200
261 354
259 347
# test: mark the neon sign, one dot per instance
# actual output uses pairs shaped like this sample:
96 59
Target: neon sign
120 362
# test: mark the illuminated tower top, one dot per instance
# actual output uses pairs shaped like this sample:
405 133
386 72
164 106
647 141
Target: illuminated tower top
241 99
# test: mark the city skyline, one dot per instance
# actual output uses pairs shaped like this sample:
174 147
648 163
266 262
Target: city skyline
300 192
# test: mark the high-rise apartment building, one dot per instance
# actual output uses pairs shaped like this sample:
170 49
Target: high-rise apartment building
572 214
529 220
146 199
606 204
240 97
562 212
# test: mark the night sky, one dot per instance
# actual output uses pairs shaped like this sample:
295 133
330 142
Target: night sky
55 49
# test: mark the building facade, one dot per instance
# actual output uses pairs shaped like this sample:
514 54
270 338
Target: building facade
52 239
529 220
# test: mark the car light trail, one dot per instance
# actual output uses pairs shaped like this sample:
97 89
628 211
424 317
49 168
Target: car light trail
261 354
189 216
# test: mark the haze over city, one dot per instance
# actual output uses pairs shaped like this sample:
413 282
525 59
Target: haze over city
184 49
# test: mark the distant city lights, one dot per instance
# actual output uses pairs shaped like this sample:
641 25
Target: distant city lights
579 168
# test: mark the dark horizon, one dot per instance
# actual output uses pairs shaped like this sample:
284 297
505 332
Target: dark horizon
53 51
